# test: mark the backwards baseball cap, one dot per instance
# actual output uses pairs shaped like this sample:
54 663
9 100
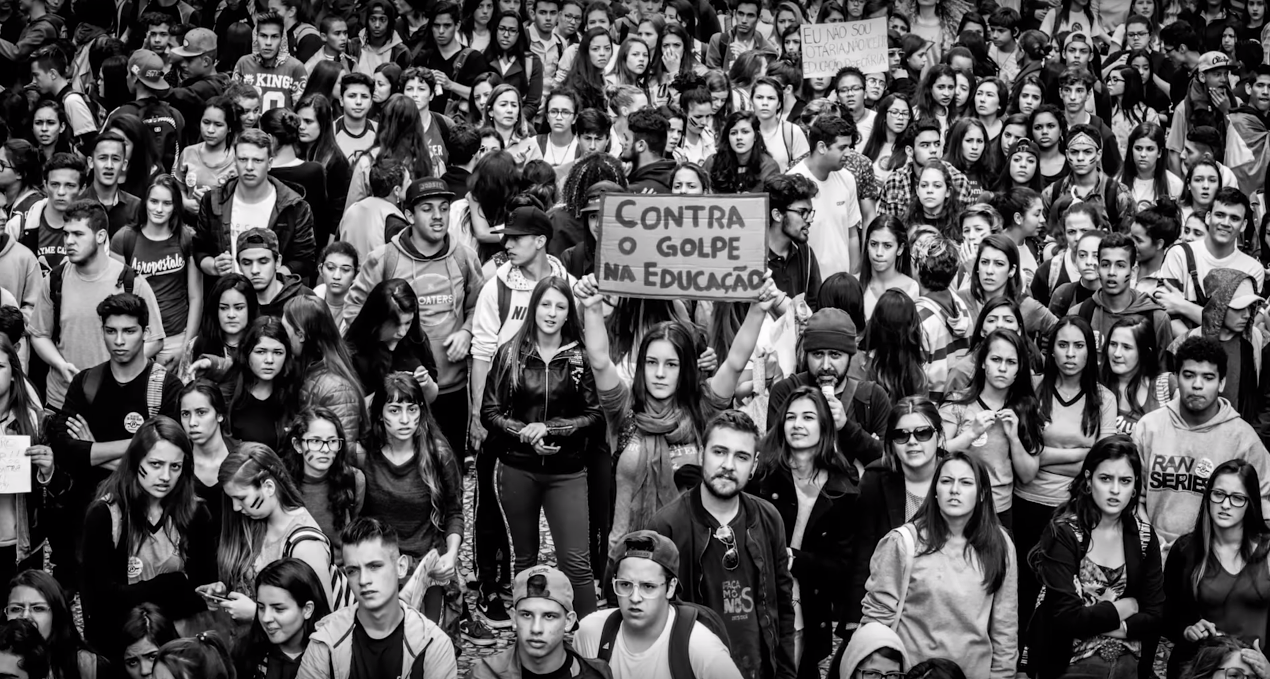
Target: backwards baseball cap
1245 295
147 68
198 41
830 329
543 582
425 188
526 221
647 544
256 239
596 192
1211 61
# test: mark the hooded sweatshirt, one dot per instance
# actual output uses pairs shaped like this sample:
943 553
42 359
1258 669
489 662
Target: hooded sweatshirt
1178 459
291 288
447 284
371 58
488 329
363 224
655 177
868 639
1097 311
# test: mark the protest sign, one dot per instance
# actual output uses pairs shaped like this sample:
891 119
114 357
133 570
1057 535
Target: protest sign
676 247
15 466
829 47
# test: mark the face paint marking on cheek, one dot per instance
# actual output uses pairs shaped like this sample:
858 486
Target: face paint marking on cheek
141 471
259 501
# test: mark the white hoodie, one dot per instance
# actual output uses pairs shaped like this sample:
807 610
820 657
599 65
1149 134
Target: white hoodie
488 330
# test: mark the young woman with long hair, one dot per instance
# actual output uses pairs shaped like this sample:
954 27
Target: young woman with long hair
1216 581
674 55
996 272
1128 110
889 264
1131 370
882 146
1000 312
49 129
203 656
414 483
491 187
209 163
697 104
290 601
1203 181
231 308
508 116
387 336
147 535
35 595
1075 411
560 145
1228 656
161 248
203 414
655 425
1022 168
957 599
399 137
288 165
1144 62
1102 573
1146 172
387 82
962 107
936 200
996 419
892 343
264 521
478 99
587 76
936 95
724 100
967 150
784 141
812 486
1013 128
323 364
542 413
741 163
319 460
509 56
144 630
1048 127
991 99
631 67
475 30
317 144
263 383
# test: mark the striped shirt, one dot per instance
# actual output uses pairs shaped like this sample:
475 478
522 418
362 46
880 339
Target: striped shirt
945 339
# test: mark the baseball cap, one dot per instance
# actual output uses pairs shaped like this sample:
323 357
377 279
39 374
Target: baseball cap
647 544
147 67
526 221
425 188
543 582
1211 61
198 41
596 192
1245 295
255 239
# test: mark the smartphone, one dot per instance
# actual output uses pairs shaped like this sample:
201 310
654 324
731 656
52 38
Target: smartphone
550 448
213 597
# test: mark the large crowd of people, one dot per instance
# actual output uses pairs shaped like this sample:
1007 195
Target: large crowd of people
283 281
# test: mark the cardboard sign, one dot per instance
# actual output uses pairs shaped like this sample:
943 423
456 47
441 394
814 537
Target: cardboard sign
829 47
15 466
676 247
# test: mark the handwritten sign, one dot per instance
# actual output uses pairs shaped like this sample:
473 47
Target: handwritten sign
829 47
15 466
675 247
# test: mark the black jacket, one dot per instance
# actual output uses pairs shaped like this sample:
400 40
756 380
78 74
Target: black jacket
861 438
292 220
686 522
655 177
826 550
560 393
878 510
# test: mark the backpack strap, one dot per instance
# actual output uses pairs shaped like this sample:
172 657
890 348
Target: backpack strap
154 388
1056 269
1192 270
504 300
304 534
608 636
1111 196
680 634
92 382
461 59
55 296
116 522
1086 311
127 238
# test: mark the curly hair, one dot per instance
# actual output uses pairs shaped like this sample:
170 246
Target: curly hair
596 167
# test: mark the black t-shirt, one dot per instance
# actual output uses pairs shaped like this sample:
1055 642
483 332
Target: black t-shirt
731 593
473 65
562 672
257 420
279 666
377 658
125 211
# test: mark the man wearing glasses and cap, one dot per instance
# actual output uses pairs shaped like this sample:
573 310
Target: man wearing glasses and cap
741 562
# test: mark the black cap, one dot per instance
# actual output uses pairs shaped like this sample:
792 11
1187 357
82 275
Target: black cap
527 221
428 187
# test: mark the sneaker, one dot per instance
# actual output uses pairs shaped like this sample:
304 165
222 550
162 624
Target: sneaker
505 591
476 633
492 609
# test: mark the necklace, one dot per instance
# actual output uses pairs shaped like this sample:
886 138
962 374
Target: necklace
814 478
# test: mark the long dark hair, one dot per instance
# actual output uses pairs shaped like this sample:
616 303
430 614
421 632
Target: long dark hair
727 174
432 451
24 411
925 100
211 340
631 318
1134 94
286 384
1047 390
1081 505
1143 332
520 50
688 397
903 261
145 622
877 136
893 335
324 150
910 405
525 341
1014 283
214 397
1019 397
304 586
1129 172
383 303
123 487
64 642
252 464
984 539
176 223
775 450
585 78
322 342
400 136
981 171
1255 545
341 481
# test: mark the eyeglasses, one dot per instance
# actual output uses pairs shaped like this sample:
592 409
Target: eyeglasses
648 590
874 674
1137 34
851 89
922 434
731 558
19 610
559 113
318 445
1237 500
900 113
805 213
5 166
508 30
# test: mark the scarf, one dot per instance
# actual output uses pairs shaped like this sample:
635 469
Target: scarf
659 429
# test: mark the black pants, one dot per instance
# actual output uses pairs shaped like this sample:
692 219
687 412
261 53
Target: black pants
490 543
450 411
600 499
1030 520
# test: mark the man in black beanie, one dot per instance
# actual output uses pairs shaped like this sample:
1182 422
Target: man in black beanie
860 408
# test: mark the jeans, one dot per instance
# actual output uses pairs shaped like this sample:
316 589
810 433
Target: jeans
1123 667
563 497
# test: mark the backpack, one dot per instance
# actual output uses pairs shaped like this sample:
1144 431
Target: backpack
127 279
341 592
162 121
1192 271
687 615
154 385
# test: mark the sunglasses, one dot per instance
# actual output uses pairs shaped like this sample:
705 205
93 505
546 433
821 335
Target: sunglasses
731 558
922 434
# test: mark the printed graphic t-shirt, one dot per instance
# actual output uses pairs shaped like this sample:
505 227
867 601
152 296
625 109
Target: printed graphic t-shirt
731 593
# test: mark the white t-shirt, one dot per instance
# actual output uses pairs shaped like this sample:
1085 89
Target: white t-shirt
245 216
709 657
837 208
1175 269
785 143
865 127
